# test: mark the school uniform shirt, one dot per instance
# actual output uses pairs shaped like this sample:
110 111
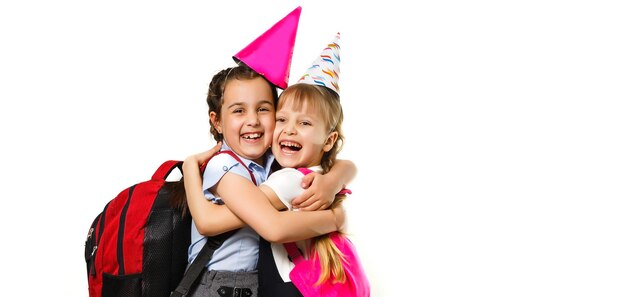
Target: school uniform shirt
286 184
240 251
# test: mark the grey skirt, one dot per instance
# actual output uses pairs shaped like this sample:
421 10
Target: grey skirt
227 284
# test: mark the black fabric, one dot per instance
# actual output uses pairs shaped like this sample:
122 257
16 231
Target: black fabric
121 286
166 240
270 282
90 244
199 264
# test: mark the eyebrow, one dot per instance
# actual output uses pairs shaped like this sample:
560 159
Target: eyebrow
260 103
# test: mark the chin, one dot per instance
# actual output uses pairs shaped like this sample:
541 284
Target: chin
288 163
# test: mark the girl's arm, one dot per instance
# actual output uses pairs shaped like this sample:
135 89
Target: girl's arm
210 219
250 204
321 189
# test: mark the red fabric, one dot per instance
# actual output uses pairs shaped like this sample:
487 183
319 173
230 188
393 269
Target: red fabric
95 281
108 246
165 168
106 252
137 213
136 218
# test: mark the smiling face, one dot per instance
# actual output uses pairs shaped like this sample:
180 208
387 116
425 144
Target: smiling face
247 117
301 136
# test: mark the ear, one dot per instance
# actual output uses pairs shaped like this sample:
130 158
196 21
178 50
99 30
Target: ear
330 141
215 121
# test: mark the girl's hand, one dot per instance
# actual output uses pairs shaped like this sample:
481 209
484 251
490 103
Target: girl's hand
198 159
319 192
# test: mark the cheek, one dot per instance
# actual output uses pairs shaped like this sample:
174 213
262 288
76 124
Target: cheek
319 136
227 122
276 132
269 123
232 123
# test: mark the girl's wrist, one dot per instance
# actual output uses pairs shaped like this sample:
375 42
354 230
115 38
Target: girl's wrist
335 221
190 163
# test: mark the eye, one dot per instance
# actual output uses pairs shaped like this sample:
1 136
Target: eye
306 123
238 110
262 109
280 120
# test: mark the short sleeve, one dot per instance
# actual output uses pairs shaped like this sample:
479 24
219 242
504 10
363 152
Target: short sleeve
215 170
286 184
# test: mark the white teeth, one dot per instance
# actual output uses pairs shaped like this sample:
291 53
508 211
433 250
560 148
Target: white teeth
289 143
252 135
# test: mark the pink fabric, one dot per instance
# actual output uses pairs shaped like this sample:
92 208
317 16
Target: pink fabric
307 271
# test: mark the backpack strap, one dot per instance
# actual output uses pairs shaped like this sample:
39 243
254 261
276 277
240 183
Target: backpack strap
166 168
199 264
295 255
241 162
212 243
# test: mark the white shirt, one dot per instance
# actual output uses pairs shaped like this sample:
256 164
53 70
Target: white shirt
286 184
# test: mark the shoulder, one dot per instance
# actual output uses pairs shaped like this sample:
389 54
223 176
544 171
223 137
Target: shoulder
286 184
286 177
218 166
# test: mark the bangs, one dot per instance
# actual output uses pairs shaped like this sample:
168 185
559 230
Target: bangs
301 95
318 99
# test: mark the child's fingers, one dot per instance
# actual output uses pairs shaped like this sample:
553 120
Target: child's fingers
307 180
317 205
215 149
304 196
308 193
204 156
304 205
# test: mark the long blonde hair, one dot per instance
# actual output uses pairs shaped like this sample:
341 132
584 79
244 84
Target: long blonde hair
327 103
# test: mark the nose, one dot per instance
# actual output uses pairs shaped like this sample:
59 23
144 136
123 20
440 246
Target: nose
289 129
252 119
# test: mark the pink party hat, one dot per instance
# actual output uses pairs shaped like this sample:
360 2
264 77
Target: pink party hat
270 54
325 69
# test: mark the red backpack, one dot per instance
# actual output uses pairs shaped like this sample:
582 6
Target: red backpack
137 246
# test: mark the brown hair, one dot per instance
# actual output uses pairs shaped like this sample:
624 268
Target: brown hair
215 96
215 99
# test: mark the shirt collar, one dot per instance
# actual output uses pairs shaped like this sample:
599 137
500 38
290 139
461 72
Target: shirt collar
269 158
317 168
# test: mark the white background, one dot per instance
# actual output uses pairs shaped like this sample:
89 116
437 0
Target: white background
489 135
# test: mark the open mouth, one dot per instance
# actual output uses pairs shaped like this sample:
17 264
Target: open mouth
290 146
251 136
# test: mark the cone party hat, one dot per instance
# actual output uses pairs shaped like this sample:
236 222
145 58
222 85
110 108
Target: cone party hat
270 54
325 69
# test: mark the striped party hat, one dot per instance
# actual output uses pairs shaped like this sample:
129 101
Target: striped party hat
325 69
